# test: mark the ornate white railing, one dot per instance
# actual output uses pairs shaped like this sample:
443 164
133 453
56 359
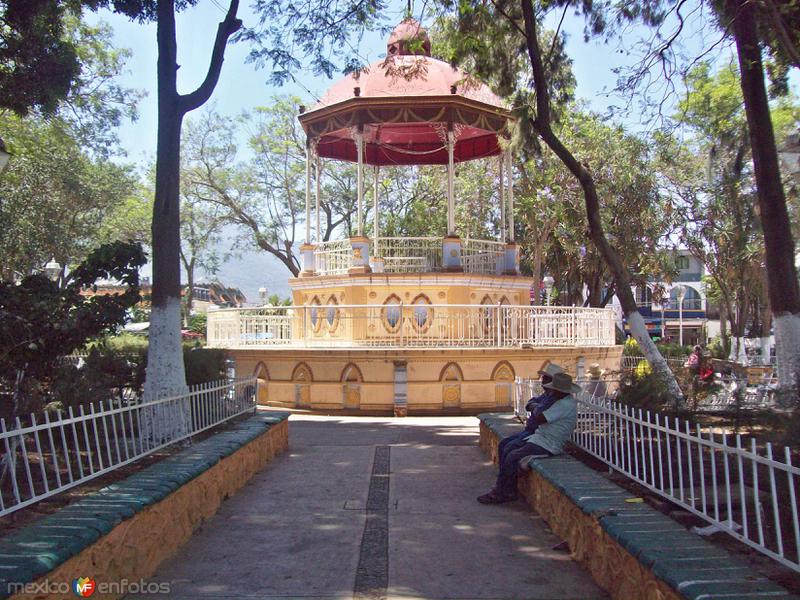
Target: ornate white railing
43 455
412 255
482 256
333 258
409 254
411 325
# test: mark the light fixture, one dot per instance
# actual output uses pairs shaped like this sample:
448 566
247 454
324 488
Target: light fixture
262 294
52 270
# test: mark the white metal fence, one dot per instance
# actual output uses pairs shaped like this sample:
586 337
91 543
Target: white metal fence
333 258
746 489
411 325
45 455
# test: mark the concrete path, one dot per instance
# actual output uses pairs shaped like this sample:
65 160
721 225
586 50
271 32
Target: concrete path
375 508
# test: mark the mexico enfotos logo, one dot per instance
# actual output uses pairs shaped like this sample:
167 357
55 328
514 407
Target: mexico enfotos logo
86 587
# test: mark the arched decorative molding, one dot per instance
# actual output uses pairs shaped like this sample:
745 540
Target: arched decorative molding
392 314
451 377
261 373
503 376
503 371
302 372
487 315
487 300
351 386
422 313
352 373
504 301
451 372
302 376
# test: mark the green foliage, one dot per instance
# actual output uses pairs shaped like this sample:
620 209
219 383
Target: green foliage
646 392
42 321
61 195
631 347
197 323
204 365
718 348
673 350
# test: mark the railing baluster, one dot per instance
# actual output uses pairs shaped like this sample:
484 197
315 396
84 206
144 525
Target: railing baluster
756 496
660 453
702 460
742 495
12 459
792 502
49 428
75 441
775 512
42 470
678 446
726 466
114 430
715 488
96 435
689 462
65 446
25 458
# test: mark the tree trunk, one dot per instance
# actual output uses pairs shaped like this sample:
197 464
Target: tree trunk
165 371
621 277
784 292
537 272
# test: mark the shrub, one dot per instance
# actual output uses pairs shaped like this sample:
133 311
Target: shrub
197 323
204 364
632 348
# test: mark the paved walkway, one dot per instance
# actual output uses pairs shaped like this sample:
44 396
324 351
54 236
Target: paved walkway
374 508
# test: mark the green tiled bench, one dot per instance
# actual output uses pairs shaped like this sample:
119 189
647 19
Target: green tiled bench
39 548
684 564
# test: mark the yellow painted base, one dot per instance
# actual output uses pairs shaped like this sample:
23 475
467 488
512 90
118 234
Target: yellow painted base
443 381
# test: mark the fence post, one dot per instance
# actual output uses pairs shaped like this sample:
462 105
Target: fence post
401 323
499 325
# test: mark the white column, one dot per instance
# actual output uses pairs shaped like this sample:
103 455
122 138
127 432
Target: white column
360 185
451 195
308 191
502 170
375 231
319 195
510 164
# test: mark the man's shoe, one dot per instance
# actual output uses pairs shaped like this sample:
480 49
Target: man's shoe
495 498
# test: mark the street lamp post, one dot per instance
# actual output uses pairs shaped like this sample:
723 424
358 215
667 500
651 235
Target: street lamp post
262 294
548 287
681 296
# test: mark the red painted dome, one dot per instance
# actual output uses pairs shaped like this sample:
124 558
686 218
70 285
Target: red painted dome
404 104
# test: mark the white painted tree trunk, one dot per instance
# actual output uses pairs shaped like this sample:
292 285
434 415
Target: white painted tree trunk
766 349
738 351
166 377
787 352
653 356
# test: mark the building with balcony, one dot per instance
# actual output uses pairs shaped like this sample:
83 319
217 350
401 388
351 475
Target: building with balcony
420 325
676 309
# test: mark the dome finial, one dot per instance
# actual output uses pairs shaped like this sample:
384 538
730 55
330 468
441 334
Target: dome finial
408 38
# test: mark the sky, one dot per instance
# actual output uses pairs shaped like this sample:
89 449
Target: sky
242 87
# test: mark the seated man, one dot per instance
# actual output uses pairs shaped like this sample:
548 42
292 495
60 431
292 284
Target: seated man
555 426
535 406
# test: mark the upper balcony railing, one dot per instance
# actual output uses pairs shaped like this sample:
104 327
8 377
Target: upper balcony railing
412 255
411 326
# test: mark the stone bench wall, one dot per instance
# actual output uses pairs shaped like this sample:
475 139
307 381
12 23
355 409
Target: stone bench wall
631 550
127 529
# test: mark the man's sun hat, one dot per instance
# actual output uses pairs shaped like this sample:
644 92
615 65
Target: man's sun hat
594 369
562 382
551 369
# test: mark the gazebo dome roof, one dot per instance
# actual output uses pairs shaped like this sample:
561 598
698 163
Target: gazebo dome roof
404 105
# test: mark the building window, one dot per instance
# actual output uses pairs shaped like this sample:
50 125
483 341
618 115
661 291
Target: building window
423 313
332 313
391 314
682 262
315 314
